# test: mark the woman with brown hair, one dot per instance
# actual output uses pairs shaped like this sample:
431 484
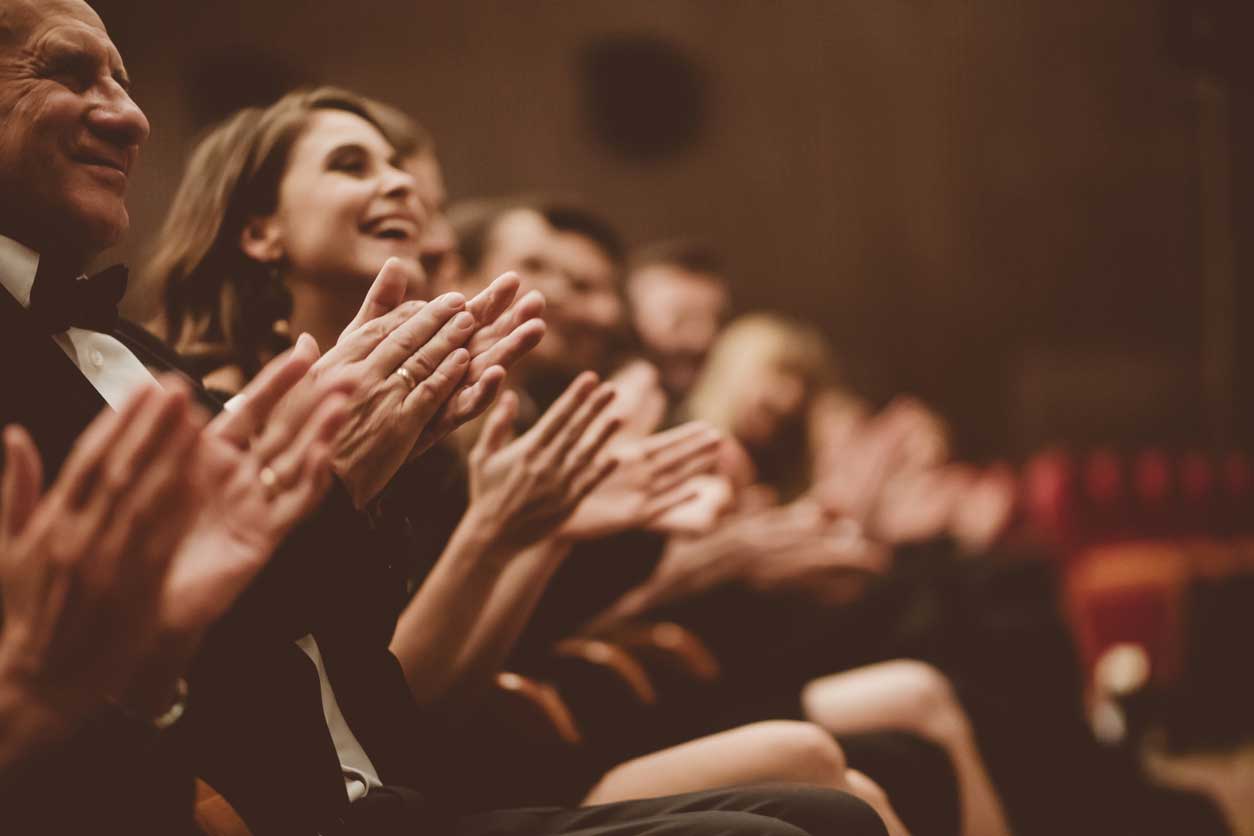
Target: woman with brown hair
240 272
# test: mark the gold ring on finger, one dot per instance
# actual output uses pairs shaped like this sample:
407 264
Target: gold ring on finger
269 480
407 376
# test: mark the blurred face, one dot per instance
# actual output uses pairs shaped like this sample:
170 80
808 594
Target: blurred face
438 243
677 315
344 207
577 279
69 131
768 398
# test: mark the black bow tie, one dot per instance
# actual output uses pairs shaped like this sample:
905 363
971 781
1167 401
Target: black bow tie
61 299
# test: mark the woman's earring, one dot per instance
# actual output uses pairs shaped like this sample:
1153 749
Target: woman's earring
281 328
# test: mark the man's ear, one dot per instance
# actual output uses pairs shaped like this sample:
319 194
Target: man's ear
260 240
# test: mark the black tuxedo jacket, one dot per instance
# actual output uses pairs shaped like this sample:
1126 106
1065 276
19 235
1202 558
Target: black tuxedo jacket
254 727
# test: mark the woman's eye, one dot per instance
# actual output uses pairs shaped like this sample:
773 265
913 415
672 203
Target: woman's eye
349 165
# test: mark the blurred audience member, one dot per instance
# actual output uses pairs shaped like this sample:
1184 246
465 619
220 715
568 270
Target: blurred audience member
761 384
569 254
679 300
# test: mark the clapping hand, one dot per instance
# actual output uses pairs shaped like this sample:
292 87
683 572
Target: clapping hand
423 368
508 327
641 407
711 497
260 468
155 525
794 546
83 567
653 476
522 489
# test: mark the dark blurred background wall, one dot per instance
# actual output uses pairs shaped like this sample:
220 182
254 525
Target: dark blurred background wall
1034 214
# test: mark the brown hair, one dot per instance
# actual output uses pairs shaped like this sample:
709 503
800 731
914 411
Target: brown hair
691 255
474 223
221 307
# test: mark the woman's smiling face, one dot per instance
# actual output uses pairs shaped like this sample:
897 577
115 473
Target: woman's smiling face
345 206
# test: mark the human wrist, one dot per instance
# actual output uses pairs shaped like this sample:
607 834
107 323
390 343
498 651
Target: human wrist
158 687
30 720
479 535
357 493
553 549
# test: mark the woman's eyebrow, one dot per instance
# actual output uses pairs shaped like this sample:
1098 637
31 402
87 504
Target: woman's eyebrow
346 147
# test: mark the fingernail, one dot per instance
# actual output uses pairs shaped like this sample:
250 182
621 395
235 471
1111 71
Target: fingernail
463 321
454 299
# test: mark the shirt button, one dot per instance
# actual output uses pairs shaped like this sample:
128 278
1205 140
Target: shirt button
97 359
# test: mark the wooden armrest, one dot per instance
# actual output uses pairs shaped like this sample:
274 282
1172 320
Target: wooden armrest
215 815
608 657
534 707
1130 594
668 645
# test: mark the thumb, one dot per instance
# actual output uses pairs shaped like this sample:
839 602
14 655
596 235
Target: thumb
23 475
498 430
386 292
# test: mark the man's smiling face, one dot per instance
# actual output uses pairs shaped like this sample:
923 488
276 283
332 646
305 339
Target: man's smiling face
69 131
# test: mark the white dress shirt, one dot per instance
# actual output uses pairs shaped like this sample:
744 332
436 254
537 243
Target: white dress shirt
115 373
108 365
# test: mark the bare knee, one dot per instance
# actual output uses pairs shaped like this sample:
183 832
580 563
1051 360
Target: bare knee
813 755
866 789
903 694
931 701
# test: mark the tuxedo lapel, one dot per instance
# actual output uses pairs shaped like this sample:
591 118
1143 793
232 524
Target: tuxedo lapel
155 354
42 390
47 394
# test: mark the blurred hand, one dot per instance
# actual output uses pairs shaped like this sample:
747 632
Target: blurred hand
785 547
985 510
154 527
83 567
521 490
799 547
444 383
855 479
652 477
712 496
260 467
641 403
905 437
918 505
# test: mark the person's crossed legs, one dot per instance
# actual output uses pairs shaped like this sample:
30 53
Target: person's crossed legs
762 810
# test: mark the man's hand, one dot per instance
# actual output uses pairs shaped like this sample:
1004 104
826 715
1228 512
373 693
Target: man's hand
83 568
260 468
653 476
423 369
521 490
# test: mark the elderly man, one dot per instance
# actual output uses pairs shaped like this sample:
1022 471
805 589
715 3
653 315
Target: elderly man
299 713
